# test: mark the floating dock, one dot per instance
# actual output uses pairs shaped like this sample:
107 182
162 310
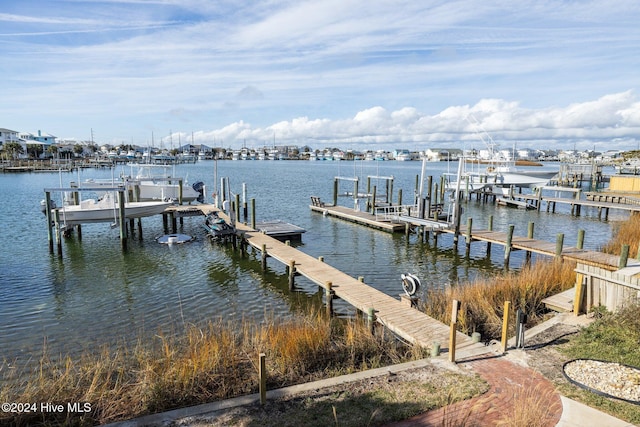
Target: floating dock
280 230
358 217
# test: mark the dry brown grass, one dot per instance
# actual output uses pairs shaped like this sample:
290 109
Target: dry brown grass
530 409
207 363
625 233
483 300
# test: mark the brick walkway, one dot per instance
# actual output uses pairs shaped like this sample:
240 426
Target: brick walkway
513 389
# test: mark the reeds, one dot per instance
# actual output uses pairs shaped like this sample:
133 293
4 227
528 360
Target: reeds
212 362
625 233
483 300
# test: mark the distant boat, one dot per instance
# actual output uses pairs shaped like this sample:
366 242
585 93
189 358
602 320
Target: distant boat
495 170
106 210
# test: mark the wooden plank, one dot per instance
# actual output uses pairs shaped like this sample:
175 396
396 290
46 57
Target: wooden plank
562 302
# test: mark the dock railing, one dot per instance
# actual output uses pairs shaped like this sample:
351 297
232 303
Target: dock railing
393 213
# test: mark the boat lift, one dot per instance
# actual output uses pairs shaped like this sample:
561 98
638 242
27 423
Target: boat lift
370 195
52 212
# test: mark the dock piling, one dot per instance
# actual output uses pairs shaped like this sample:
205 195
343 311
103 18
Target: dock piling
559 244
624 256
292 274
264 258
329 295
508 246
455 307
580 242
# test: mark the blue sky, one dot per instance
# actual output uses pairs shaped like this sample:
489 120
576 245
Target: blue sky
349 73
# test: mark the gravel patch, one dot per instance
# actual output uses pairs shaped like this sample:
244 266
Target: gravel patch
613 379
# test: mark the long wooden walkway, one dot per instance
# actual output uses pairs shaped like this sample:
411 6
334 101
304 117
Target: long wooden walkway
406 322
601 205
593 258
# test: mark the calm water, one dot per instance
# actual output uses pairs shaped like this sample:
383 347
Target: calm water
97 294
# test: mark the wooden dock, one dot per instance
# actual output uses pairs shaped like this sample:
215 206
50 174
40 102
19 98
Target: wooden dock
397 316
358 217
587 257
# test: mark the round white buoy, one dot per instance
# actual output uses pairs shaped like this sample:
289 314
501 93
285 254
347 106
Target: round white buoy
171 239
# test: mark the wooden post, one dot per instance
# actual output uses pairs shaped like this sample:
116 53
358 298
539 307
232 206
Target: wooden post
264 257
329 293
624 256
262 372
505 325
245 209
530 236
253 214
180 191
292 274
490 228
559 244
429 196
539 198
373 200
371 319
47 206
468 238
507 248
355 191
335 192
455 306
237 208
122 220
400 197
58 232
456 234
580 242
165 222
577 299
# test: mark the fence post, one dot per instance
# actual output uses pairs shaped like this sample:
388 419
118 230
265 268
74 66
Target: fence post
505 325
455 306
263 378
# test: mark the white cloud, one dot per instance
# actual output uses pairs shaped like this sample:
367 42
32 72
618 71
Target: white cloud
609 117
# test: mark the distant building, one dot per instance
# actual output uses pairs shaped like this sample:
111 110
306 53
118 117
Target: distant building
42 138
8 135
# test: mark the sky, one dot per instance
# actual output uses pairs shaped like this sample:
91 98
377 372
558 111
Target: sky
352 74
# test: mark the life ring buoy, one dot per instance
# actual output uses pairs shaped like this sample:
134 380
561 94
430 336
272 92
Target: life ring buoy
410 284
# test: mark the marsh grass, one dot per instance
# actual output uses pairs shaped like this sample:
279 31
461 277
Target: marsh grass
483 300
213 362
625 233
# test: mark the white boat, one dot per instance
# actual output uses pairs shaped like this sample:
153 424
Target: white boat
403 156
496 170
154 182
106 210
501 175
